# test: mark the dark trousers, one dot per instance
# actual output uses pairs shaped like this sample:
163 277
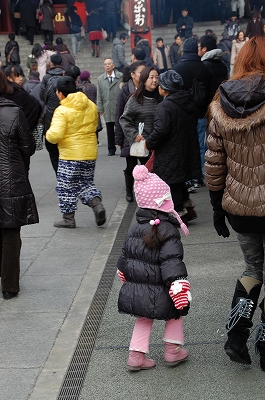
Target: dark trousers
53 153
48 36
10 259
111 136
132 162
179 195
111 24
30 33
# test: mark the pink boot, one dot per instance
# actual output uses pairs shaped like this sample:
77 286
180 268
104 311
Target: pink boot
138 360
174 354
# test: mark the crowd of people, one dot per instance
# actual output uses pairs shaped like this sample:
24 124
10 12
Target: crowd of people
196 116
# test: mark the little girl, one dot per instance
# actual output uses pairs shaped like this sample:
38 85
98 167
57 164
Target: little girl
154 275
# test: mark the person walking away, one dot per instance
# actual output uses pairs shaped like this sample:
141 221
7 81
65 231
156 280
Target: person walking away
18 206
74 24
95 33
130 84
43 58
28 17
47 22
107 93
73 128
157 289
234 171
111 10
50 99
12 51
90 91
161 55
175 141
118 52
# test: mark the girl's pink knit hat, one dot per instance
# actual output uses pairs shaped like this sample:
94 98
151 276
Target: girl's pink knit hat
152 192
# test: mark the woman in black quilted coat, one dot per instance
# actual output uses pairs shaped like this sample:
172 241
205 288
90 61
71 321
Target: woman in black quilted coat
175 141
154 275
17 202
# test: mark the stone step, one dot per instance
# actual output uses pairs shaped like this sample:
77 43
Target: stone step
84 59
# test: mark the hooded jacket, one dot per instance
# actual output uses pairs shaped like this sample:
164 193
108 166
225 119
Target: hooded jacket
235 160
17 144
150 272
73 128
175 139
213 60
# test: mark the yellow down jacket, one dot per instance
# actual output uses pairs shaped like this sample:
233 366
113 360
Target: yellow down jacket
73 128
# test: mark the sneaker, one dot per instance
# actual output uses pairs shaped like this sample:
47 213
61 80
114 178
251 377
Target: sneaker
189 186
197 183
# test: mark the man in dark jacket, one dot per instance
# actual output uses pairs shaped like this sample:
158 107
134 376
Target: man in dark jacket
48 95
28 17
190 67
212 58
185 24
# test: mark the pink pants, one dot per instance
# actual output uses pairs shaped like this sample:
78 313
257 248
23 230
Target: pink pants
142 332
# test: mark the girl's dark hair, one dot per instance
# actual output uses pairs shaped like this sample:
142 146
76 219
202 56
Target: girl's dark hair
4 86
139 93
133 67
37 50
66 85
153 239
126 76
13 71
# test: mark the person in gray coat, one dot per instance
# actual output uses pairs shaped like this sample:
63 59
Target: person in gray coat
108 90
118 52
47 22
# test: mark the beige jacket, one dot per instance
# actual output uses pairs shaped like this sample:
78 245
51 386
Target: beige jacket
236 47
158 59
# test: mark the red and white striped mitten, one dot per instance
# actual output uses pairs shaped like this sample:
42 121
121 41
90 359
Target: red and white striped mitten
121 276
180 293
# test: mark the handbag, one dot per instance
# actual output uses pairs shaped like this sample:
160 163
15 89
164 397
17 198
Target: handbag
104 33
41 17
138 149
38 136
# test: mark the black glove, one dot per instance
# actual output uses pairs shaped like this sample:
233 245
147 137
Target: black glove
219 223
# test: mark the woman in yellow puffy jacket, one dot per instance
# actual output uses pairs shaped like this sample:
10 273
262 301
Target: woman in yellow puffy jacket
73 129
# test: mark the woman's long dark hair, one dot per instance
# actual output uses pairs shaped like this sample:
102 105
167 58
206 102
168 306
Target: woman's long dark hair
4 86
139 93
37 50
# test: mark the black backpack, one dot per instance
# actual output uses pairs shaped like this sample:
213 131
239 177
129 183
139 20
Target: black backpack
199 92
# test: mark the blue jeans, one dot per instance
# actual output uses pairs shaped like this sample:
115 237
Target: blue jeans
76 42
201 129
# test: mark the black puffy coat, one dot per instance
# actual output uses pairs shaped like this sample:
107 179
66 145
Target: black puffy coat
175 139
149 273
17 144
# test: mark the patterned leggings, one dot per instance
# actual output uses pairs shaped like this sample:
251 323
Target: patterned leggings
75 179
253 248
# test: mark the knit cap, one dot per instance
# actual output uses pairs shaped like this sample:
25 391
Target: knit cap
84 75
190 46
170 81
153 193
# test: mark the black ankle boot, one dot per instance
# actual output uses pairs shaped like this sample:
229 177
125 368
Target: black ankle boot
239 323
99 210
260 338
129 187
